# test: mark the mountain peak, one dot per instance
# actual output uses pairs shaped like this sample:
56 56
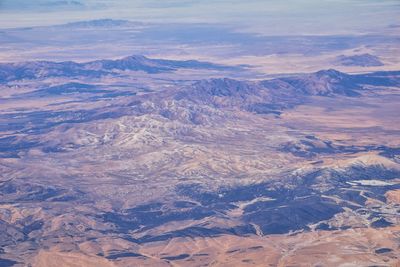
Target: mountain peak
332 73
361 60
324 83
136 58
99 23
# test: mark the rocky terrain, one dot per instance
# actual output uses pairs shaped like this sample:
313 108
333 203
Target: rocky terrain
363 60
149 162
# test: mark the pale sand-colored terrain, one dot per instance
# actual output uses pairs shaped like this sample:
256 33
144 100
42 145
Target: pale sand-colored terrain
353 247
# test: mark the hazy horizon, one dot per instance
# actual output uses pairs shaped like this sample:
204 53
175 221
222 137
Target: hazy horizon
293 17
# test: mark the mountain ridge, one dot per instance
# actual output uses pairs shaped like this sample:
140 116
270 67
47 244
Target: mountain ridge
44 69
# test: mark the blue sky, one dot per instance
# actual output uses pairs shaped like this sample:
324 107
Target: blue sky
268 17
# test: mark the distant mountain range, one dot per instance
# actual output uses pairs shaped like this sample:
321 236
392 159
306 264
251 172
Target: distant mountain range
101 23
322 83
363 60
267 96
45 69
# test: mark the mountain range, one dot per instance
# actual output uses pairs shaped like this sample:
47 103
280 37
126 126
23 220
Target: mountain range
362 60
128 162
46 69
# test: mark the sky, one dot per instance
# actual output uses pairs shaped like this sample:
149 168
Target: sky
264 17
